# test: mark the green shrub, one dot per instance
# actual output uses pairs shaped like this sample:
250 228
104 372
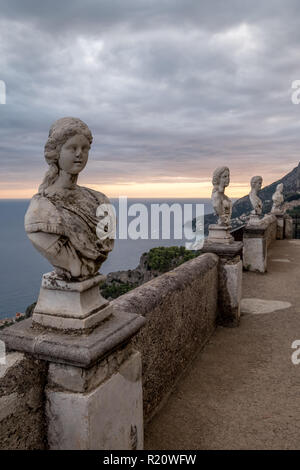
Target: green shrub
115 290
163 259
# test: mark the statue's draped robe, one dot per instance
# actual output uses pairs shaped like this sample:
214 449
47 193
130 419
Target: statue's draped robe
71 215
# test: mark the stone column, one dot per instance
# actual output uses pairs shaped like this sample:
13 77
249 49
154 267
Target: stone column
94 387
230 280
255 249
280 224
288 226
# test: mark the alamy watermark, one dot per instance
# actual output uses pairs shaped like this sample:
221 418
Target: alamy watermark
296 93
152 222
2 92
296 354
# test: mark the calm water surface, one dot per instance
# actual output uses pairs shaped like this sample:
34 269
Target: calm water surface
22 266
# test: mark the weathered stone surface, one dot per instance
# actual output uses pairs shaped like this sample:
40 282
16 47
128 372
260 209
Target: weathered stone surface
110 416
64 221
256 184
230 292
288 227
278 199
223 250
72 324
256 240
11 360
255 254
219 234
280 226
69 299
79 350
230 280
22 420
181 310
63 377
221 203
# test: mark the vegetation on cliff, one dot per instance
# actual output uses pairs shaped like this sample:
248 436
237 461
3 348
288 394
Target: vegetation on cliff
153 263
116 289
163 259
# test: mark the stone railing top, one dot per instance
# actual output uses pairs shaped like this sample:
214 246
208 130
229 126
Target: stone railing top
260 227
77 350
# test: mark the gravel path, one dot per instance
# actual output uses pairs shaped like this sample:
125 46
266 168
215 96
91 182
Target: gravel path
243 391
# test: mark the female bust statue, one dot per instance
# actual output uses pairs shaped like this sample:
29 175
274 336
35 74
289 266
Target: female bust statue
221 203
278 199
61 220
256 184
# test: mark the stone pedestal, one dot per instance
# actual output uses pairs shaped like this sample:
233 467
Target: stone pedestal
70 305
94 389
230 280
254 219
100 408
256 240
219 234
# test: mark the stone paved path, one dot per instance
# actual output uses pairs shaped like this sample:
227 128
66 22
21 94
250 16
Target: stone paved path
243 391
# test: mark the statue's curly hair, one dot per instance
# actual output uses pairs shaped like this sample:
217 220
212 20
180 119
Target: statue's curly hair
60 131
217 175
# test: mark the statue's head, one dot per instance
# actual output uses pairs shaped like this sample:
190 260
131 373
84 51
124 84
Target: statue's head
67 148
221 178
256 183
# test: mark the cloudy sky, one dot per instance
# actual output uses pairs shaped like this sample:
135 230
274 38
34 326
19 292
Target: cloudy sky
171 89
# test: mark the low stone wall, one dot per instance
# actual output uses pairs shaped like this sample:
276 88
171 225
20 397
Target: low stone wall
181 310
22 423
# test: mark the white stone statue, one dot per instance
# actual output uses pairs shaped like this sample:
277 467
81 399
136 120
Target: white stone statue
62 218
278 199
256 184
221 203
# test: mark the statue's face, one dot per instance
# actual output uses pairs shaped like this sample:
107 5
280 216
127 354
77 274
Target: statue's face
74 154
258 184
225 179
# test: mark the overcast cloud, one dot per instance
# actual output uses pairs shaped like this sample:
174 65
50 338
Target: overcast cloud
170 88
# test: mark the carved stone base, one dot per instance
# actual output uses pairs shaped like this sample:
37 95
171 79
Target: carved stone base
70 305
219 234
254 219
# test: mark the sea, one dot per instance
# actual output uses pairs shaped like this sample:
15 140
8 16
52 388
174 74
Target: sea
22 266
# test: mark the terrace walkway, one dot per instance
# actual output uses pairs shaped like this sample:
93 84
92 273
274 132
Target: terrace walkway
242 391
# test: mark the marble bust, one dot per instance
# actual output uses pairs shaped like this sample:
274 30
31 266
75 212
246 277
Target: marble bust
221 203
256 184
61 221
278 199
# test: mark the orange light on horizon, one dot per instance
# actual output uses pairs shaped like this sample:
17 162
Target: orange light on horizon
177 190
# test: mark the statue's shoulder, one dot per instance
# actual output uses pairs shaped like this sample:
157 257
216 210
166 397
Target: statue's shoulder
40 203
40 211
97 195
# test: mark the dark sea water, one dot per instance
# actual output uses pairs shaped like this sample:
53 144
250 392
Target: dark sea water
22 266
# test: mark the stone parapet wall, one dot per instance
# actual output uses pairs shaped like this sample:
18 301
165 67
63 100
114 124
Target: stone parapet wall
270 222
181 310
22 422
